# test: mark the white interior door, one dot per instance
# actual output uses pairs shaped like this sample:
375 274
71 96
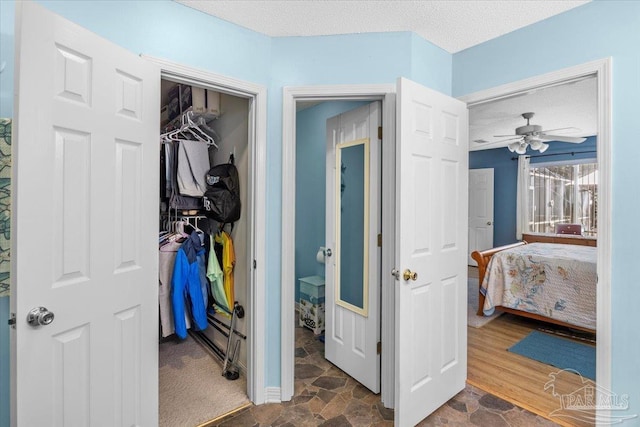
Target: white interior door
431 233
480 211
85 221
353 320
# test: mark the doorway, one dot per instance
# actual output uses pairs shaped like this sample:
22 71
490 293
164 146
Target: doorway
254 96
202 371
337 224
600 70
366 95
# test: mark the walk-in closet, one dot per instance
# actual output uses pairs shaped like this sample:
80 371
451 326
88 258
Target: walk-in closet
204 254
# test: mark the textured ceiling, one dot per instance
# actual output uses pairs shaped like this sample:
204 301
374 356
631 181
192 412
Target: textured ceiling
571 105
451 25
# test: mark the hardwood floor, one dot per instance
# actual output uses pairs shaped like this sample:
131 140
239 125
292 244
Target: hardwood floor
512 377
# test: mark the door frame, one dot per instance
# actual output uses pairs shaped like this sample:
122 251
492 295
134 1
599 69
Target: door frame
601 69
256 304
386 94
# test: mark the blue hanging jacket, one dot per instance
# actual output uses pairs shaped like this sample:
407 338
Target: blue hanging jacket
186 286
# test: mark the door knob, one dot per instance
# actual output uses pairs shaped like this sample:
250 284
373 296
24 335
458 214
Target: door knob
488 222
327 252
409 275
39 316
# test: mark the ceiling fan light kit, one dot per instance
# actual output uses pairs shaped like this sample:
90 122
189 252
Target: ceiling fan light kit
534 136
537 144
518 147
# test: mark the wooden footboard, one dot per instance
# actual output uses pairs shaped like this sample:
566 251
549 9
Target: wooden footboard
482 258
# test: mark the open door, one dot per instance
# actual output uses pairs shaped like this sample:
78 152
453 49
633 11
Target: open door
84 263
431 245
352 272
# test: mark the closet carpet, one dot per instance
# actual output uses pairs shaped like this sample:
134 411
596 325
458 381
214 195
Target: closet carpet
192 389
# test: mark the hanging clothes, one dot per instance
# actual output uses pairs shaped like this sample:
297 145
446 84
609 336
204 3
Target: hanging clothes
193 165
167 257
228 263
186 286
176 199
216 278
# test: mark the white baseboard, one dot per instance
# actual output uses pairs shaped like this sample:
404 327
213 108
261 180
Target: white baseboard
272 395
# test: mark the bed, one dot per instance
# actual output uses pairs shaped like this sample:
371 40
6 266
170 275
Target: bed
552 282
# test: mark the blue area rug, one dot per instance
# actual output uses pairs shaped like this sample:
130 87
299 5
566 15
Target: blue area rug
559 352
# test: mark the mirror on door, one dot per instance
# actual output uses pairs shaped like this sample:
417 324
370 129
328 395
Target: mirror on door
352 221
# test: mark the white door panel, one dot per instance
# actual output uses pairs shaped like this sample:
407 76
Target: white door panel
351 338
431 239
480 211
86 165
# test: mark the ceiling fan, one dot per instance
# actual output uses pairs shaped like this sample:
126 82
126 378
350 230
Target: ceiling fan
534 136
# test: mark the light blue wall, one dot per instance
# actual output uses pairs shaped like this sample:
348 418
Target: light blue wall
423 57
596 30
505 176
311 125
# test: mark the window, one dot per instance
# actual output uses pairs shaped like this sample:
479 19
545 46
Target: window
563 193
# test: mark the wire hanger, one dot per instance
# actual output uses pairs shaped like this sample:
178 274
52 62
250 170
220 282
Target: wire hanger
196 127
190 129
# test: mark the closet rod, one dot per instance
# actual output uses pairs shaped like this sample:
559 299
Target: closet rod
220 322
206 341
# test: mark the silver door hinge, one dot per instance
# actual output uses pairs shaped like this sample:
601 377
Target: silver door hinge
12 320
255 264
379 348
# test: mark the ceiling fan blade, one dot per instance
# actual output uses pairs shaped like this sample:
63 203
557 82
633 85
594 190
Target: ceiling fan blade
504 136
515 138
486 144
561 138
572 129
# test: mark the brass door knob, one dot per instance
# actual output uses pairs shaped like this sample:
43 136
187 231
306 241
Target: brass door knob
409 275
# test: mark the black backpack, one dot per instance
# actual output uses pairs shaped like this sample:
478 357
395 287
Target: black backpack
222 197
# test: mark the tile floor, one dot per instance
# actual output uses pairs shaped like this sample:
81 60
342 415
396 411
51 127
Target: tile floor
326 396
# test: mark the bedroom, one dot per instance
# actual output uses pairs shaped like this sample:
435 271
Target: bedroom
560 180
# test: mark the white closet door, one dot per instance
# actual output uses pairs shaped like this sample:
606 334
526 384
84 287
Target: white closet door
86 200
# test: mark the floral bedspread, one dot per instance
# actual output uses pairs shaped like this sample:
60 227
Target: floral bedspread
549 279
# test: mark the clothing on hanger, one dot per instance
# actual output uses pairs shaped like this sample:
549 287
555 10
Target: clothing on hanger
216 278
227 264
166 260
193 165
186 286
